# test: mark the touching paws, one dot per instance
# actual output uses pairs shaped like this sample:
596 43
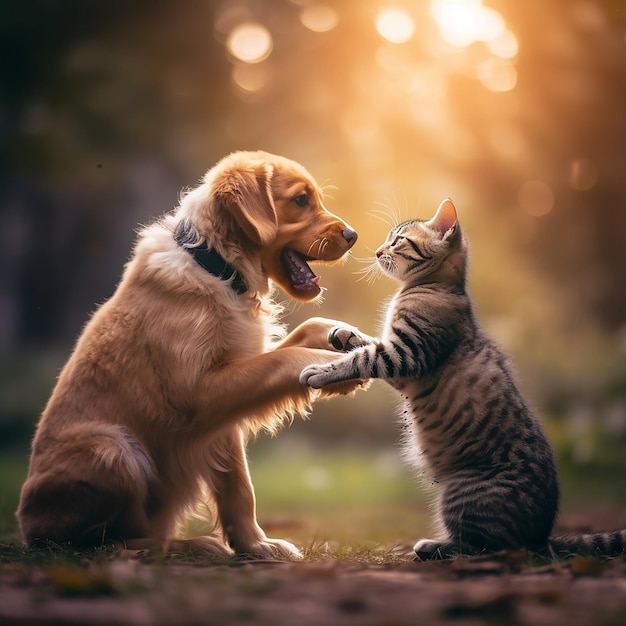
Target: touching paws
317 376
344 338
342 370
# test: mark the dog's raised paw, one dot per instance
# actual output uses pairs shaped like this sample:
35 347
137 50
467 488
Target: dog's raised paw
345 339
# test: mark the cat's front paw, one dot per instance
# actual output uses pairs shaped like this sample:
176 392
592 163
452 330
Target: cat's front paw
430 550
317 376
345 338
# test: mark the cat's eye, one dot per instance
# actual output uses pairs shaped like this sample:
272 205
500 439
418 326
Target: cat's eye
397 240
301 200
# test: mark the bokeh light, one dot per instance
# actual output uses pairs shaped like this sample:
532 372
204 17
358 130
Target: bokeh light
463 22
319 18
497 74
515 109
250 78
504 46
395 25
250 42
583 174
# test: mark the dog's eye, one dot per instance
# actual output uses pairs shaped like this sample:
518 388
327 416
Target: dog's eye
302 200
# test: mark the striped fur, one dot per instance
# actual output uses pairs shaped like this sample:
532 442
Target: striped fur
466 422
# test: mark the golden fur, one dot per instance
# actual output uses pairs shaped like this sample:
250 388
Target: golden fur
152 411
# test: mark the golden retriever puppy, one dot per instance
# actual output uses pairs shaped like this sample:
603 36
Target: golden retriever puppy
151 413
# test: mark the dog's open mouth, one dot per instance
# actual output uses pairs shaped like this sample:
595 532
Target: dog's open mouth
300 274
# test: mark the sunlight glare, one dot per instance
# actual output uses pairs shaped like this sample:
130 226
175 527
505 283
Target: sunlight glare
462 22
395 25
319 18
250 42
504 46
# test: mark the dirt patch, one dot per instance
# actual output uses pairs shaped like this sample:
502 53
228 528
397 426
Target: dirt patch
508 588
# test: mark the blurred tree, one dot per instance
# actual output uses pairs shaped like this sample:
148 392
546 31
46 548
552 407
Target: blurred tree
108 110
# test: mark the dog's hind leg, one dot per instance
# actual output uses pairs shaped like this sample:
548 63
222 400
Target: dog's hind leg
89 488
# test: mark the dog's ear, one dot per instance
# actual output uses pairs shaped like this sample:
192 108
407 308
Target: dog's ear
247 194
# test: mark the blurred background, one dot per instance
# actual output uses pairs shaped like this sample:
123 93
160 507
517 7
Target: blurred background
515 110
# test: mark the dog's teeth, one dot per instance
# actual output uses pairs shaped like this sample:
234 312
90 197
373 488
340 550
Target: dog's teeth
300 274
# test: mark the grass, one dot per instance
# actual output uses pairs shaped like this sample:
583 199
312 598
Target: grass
352 502
354 513
311 496
348 496
13 468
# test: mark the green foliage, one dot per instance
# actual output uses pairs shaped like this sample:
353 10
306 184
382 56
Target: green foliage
13 467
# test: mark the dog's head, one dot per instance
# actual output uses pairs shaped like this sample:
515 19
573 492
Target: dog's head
277 207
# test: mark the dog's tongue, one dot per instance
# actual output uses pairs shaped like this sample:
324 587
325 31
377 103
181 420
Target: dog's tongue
300 273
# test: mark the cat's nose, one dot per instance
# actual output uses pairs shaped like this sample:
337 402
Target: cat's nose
379 253
349 235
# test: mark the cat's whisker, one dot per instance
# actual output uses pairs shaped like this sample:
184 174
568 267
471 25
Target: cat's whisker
391 210
370 273
360 259
397 212
383 217
366 270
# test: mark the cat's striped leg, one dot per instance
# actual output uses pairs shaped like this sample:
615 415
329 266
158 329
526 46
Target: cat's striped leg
350 366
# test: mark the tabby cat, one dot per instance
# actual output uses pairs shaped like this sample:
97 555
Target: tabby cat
467 423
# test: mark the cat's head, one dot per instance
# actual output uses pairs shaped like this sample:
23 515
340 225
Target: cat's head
425 251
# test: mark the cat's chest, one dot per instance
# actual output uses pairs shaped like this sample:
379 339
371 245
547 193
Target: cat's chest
458 385
390 317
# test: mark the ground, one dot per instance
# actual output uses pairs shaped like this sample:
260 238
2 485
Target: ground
508 588
356 517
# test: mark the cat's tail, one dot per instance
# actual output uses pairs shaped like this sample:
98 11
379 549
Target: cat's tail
596 544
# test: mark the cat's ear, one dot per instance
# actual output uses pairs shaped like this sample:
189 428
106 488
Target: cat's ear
445 219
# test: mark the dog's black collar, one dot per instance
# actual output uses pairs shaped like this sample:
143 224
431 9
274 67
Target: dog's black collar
213 262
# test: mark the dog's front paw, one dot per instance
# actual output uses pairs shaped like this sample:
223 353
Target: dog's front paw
270 549
344 338
344 388
317 376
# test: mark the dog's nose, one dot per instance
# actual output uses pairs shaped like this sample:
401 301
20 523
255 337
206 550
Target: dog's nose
349 235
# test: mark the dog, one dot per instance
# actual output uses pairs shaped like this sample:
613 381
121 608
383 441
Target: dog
151 414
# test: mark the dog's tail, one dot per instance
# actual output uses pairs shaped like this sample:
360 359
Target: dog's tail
94 484
596 544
